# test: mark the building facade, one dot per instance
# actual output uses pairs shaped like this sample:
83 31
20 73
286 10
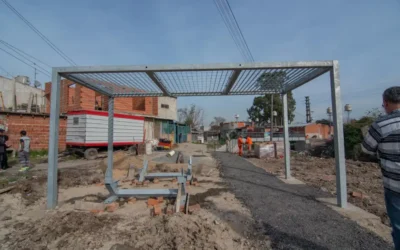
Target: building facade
19 96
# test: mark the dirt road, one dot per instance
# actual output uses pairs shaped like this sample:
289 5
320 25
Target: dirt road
79 223
290 214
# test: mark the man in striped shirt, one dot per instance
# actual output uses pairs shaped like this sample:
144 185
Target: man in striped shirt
383 139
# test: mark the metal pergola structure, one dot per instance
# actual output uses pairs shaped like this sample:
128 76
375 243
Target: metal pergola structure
196 80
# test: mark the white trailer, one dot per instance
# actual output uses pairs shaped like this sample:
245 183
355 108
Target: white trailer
87 131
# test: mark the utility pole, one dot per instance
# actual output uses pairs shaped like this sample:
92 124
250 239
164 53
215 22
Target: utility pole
308 110
272 118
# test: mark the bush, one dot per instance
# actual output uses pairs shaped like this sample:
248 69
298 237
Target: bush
352 138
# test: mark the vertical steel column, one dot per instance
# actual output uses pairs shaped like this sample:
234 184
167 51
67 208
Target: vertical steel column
286 136
341 188
109 171
52 189
272 119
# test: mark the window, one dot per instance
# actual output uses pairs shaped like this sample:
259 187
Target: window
76 121
165 106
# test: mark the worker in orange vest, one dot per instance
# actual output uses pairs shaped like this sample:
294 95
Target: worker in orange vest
249 142
240 145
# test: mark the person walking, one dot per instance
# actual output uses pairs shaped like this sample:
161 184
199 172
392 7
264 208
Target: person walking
25 144
240 145
383 140
249 142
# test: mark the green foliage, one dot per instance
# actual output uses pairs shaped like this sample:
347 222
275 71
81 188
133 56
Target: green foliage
38 153
272 80
374 113
261 109
352 137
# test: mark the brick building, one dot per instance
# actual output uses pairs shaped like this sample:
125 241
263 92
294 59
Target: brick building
76 97
37 127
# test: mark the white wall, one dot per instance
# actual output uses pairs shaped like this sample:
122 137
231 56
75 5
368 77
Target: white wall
23 92
169 113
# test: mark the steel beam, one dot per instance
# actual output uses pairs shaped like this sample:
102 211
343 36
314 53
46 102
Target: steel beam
87 85
52 189
307 78
338 136
147 192
110 159
286 136
143 172
159 84
231 82
162 175
194 67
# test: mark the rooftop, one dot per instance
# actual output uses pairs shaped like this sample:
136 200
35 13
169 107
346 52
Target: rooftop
196 79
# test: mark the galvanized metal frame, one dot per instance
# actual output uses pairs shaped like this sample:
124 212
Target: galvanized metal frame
241 82
188 175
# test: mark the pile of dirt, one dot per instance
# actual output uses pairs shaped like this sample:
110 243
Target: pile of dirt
181 231
364 179
80 230
72 230
122 161
79 177
33 187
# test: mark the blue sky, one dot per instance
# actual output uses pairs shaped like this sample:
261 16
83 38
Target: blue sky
364 35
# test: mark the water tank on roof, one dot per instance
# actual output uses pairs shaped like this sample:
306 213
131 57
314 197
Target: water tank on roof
348 108
22 79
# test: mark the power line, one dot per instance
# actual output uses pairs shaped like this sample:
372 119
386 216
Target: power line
232 31
240 31
233 27
44 38
8 73
27 58
21 51
45 73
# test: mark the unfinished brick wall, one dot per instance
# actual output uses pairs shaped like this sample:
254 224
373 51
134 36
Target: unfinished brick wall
65 95
37 128
81 98
139 103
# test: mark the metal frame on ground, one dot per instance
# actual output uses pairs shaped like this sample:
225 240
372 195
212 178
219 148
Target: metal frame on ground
195 80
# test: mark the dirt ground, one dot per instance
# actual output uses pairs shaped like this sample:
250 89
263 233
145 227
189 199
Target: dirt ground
80 222
364 181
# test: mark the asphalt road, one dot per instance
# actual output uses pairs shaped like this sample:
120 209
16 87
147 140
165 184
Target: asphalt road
289 214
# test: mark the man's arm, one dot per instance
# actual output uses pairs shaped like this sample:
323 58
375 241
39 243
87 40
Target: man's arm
372 140
22 145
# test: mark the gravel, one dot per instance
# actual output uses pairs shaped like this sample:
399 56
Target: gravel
289 214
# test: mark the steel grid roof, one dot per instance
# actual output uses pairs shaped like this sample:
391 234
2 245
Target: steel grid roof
196 80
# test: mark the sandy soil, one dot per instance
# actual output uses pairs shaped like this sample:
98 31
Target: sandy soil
77 223
364 181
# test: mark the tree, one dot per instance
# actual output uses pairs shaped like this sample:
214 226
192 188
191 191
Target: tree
374 113
260 111
192 116
217 121
272 80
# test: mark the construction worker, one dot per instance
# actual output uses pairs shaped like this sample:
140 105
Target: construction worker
240 145
249 142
